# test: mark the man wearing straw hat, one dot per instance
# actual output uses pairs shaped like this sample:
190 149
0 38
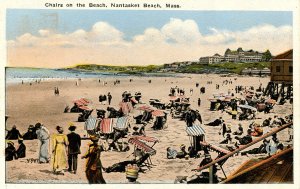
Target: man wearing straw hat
74 148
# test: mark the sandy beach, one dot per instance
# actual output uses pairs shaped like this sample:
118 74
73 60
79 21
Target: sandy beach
28 104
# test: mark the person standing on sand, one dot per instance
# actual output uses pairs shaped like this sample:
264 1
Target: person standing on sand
21 151
43 136
73 148
109 97
59 156
93 165
199 102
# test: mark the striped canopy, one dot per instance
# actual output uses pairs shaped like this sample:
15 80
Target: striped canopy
81 102
145 138
195 130
142 146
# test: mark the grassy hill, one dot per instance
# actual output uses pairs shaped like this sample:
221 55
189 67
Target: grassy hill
227 67
230 67
117 69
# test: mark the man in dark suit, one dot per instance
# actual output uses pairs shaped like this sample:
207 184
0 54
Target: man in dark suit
21 151
73 148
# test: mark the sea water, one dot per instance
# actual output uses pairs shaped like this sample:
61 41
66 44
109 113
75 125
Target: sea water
17 75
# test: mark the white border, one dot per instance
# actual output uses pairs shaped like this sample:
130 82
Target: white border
267 5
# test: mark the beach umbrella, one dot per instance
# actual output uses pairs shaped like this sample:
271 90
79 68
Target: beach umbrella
158 113
247 107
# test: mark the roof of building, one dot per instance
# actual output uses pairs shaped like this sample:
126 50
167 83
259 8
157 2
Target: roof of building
285 55
275 169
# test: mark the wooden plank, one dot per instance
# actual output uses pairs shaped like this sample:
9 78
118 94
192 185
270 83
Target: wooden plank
285 168
268 175
244 166
261 163
242 147
214 147
289 178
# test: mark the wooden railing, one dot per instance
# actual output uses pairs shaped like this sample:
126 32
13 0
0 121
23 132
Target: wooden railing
242 147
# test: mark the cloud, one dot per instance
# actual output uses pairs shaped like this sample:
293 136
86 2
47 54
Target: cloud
177 40
182 31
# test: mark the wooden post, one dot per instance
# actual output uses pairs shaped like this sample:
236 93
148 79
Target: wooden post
211 175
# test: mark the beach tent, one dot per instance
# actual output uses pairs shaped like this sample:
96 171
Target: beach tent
197 134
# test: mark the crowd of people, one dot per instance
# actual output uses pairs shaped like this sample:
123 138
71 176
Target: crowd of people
65 148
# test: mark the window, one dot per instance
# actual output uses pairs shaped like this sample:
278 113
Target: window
277 68
291 69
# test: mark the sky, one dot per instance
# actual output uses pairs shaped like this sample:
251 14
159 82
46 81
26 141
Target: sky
63 38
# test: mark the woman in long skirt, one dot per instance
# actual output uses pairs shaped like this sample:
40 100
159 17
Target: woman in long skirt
59 155
43 136
93 165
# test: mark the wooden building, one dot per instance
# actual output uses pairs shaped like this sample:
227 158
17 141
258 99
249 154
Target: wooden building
280 86
282 67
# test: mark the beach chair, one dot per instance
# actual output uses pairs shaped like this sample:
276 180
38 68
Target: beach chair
147 151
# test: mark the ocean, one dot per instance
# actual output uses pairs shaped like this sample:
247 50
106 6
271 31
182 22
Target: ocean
17 75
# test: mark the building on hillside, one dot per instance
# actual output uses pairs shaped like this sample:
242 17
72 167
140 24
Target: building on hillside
211 59
243 56
234 56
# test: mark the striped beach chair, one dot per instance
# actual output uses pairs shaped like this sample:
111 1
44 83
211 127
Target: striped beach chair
106 126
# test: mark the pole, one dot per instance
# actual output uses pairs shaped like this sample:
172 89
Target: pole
211 175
